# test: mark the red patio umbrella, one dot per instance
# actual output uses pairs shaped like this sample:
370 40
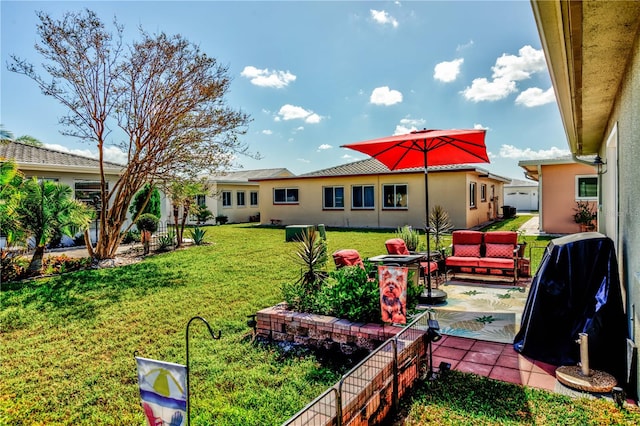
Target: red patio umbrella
424 148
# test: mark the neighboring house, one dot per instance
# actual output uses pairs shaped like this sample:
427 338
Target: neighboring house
78 172
593 52
236 194
563 182
521 194
367 194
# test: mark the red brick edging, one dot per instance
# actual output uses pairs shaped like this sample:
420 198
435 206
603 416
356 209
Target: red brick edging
321 331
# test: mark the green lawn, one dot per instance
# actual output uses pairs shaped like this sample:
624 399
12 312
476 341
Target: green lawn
68 342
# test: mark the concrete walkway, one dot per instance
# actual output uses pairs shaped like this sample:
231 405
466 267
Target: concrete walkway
532 226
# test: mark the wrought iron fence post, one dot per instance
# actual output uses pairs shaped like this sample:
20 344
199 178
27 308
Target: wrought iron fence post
188 369
396 399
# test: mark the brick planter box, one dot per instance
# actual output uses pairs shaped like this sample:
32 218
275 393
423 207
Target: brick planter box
320 331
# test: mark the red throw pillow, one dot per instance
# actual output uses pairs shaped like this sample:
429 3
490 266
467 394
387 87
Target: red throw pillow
500 250
467 250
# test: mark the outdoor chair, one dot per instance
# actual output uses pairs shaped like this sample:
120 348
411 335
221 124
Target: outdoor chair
398 246
347 257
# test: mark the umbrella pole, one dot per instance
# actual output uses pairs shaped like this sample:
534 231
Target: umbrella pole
433 297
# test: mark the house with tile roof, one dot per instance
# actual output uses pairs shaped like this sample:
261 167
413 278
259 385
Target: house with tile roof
366 194
231 194
78 172
236 194
563 182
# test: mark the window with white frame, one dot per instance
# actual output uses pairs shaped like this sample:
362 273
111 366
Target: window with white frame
395 196
201 200
483 192
285 196
333 197
87 190
587 187
253 198
240 199
472 194
362 197
226 198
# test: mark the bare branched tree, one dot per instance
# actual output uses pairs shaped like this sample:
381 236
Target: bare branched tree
163 94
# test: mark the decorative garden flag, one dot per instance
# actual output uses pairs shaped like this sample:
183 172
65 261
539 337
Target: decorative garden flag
393 293
163 391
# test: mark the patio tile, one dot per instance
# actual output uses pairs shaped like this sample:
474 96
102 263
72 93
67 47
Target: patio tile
508 362
509 351
509 375
487 347
525 364
475 368
451 353
481 358
457 342
542 381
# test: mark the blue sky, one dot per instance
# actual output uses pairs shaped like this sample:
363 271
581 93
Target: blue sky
317 75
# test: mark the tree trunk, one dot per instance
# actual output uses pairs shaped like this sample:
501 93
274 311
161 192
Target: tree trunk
36 261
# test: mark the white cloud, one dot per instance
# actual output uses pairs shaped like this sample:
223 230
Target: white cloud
448 71
267 78
516 68
510 151
484 90
382 17
348 157
385 96
303 160
267 132
507 70
479 126
324 146
534 97
292 112
111 153
408 125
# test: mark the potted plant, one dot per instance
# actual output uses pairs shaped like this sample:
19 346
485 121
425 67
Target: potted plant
584 216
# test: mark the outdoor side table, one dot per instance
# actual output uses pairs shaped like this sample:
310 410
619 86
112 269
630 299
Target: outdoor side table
411 261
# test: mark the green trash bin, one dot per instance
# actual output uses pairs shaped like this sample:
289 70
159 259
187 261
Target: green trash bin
321 230
294 232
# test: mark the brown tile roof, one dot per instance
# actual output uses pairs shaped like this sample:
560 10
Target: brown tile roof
246 175
24 155
371 166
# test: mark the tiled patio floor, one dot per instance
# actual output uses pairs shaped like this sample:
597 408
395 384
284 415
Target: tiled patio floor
494 360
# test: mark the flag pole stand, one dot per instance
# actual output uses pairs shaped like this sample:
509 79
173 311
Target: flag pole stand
213 335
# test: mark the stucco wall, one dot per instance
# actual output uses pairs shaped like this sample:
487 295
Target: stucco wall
625 114
559 196
235 213
448 189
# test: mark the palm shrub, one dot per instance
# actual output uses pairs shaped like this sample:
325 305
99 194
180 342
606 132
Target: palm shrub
410 236
439 224
311 255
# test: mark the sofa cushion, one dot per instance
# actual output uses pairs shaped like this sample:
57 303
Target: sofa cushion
462 261
499 250
466 237
496 262
466 250
501 237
